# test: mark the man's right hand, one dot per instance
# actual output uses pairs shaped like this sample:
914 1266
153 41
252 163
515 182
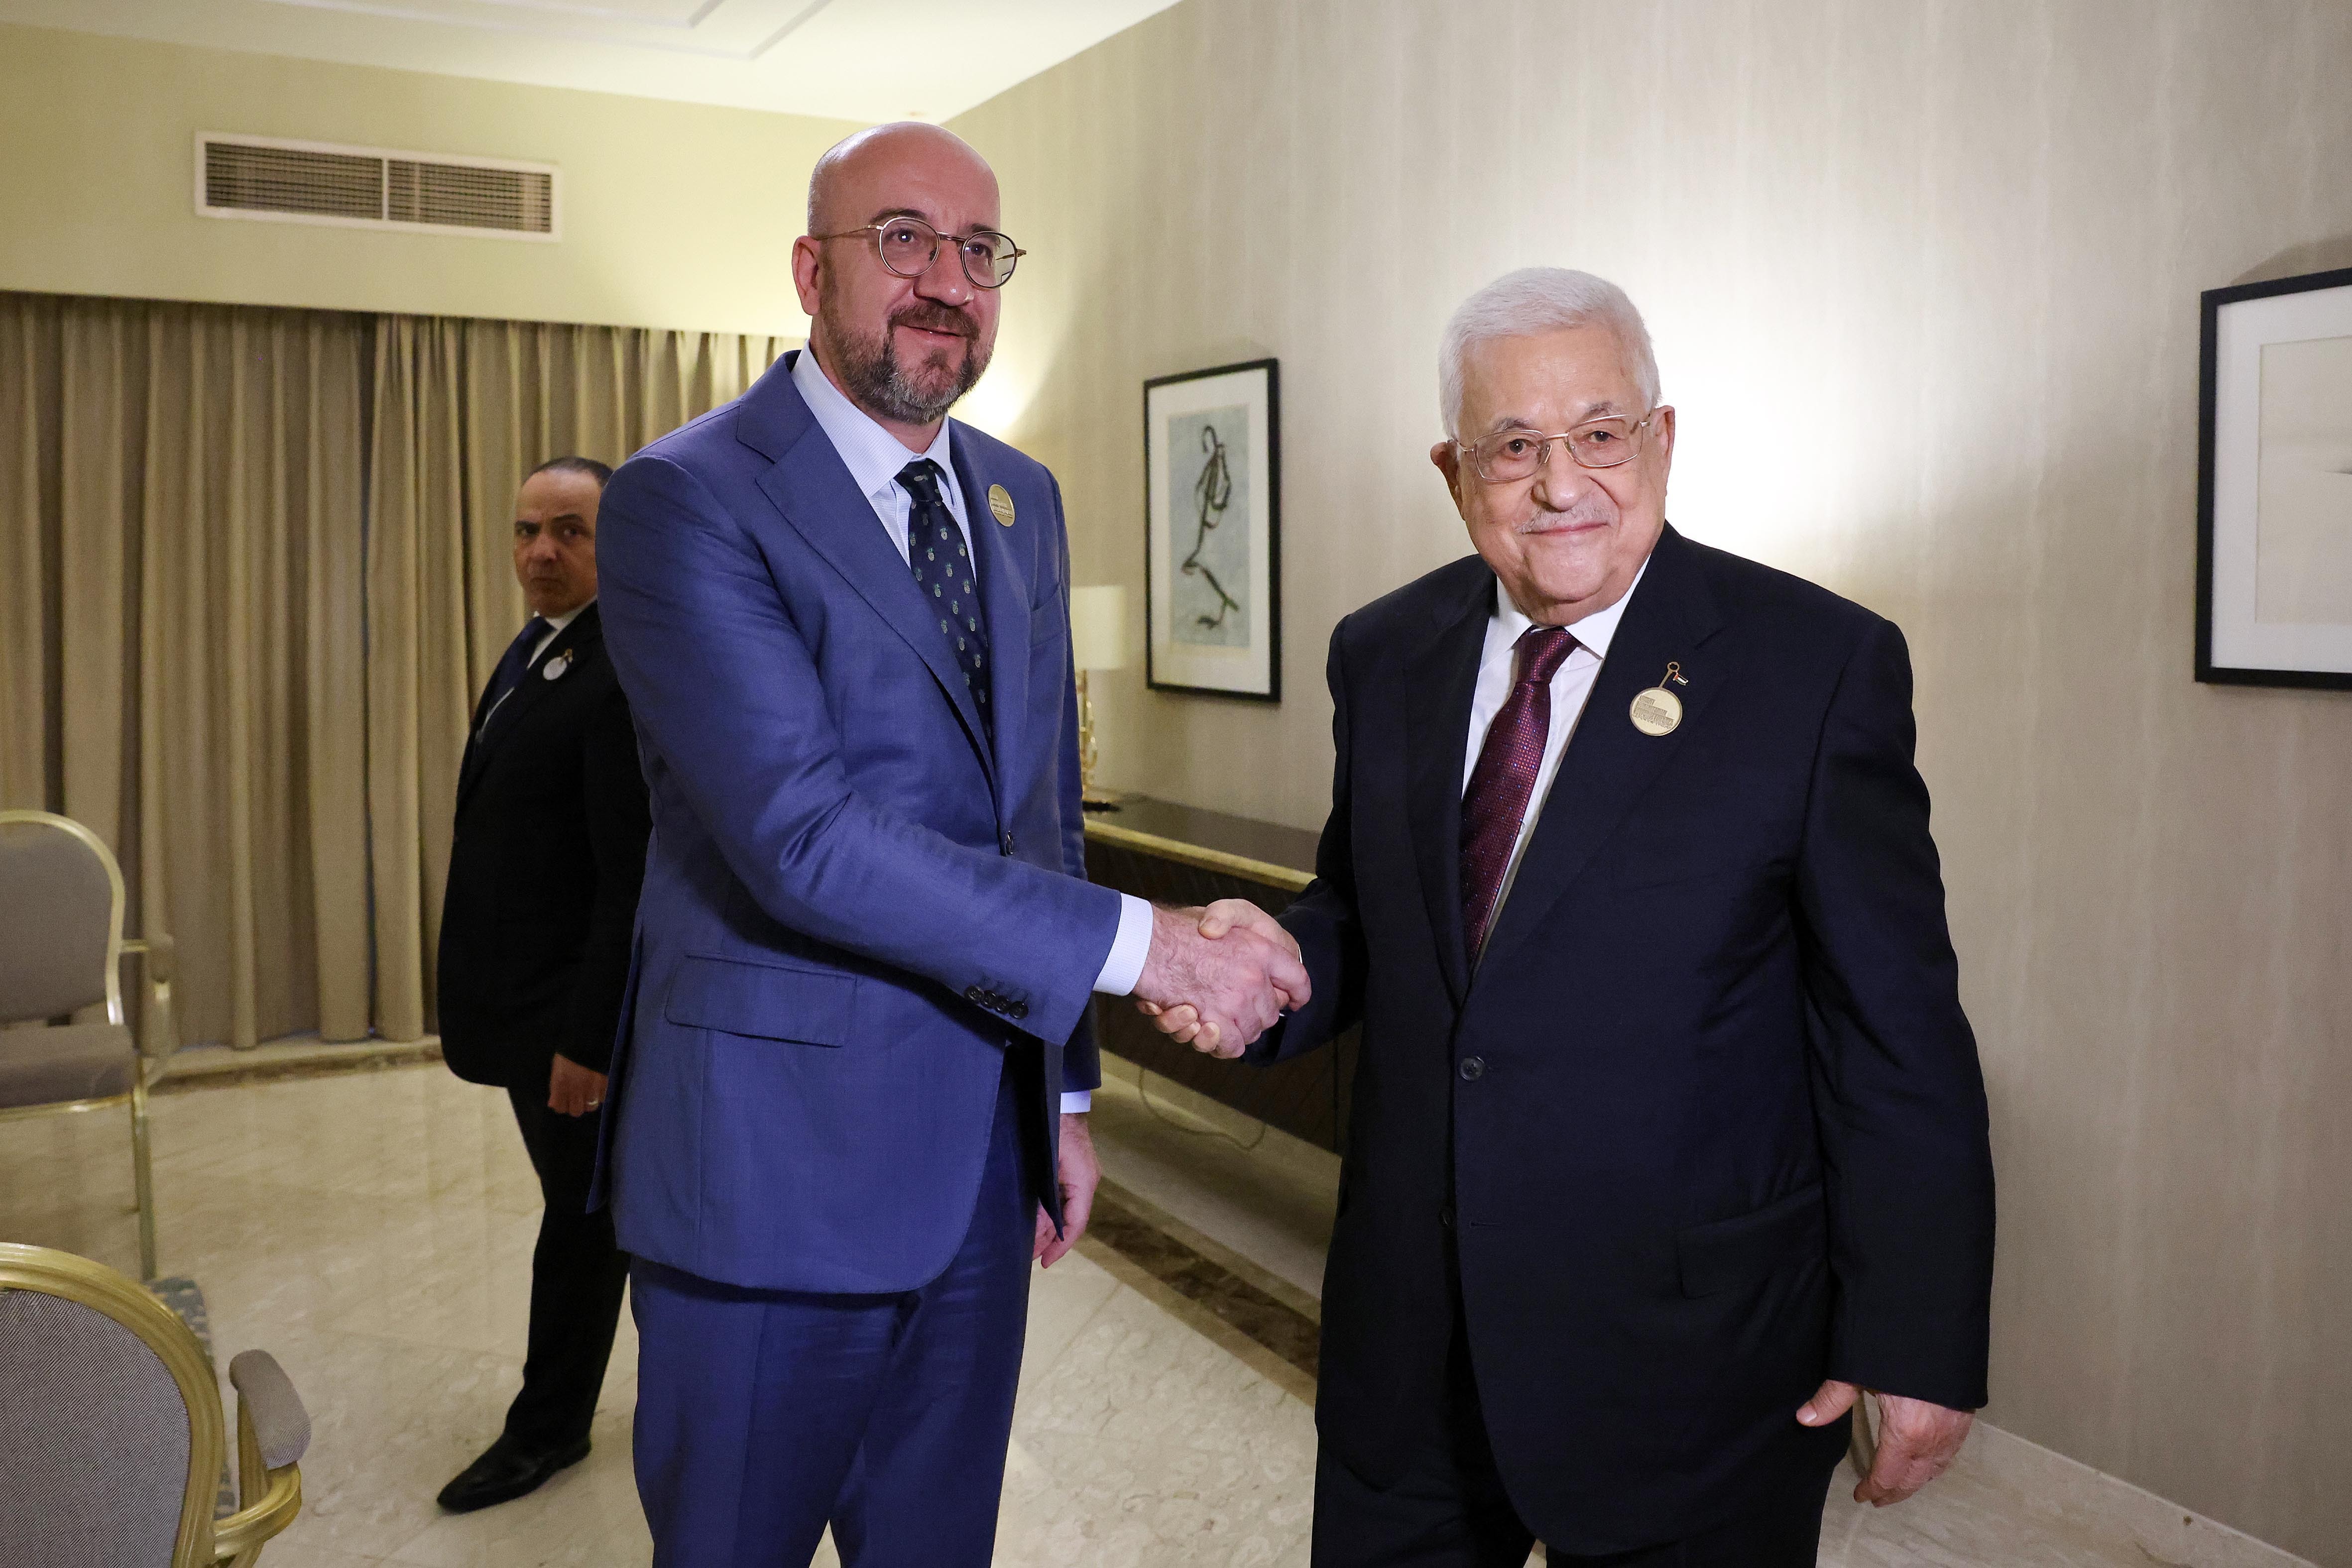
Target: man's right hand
1229 987
1240 931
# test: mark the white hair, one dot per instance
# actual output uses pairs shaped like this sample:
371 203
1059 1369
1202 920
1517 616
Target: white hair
1540 300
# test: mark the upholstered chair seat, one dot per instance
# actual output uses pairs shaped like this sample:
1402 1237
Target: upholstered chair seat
70 1062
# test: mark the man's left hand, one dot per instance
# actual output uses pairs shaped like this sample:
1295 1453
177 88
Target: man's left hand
571 1089
1916 1442
1079 1174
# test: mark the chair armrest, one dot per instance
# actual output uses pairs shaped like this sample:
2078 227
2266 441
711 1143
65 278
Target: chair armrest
158 1036
273 1431
266 1394
160 952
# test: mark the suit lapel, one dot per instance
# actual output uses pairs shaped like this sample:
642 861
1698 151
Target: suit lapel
1609 763
1005 598
811 486
1438 683
582 629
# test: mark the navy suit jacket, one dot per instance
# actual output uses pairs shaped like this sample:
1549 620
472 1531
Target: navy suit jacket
1705 1122
548 849
853 909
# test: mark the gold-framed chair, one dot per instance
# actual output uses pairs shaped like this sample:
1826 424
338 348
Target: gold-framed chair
112 1434
62 949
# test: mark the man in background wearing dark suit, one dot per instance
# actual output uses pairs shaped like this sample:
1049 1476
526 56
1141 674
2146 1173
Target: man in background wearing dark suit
1668 1133
549 854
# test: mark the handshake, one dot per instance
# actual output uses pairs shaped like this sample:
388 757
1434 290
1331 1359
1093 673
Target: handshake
1218 978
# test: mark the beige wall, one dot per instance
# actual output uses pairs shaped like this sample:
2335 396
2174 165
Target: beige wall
675 216
1924 279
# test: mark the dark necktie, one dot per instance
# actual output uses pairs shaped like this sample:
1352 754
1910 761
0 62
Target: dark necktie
943 571
1496 801
512 667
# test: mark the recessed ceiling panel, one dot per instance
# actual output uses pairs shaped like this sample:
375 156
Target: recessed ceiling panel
847 60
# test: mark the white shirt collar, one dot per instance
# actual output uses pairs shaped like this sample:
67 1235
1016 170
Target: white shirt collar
1594 632
558 622
872 455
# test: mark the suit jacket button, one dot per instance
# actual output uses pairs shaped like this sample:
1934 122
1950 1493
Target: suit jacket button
1445 1216
974 993
1007 841
1473 1069
1020 1009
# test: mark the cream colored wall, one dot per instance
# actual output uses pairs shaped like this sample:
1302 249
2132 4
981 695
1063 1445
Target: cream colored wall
1923 280
674 216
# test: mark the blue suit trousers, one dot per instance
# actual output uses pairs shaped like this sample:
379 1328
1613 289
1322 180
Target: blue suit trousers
764 1415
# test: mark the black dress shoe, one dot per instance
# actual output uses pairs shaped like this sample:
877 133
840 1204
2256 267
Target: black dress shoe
506 1471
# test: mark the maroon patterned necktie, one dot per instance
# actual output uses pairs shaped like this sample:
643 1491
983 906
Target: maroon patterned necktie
1496 801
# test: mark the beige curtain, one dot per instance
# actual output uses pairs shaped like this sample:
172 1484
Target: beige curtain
253 566
181 550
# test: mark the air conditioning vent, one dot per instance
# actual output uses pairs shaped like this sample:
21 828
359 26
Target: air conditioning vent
374 187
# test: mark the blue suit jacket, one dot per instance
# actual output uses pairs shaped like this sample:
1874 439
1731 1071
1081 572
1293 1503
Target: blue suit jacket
852 910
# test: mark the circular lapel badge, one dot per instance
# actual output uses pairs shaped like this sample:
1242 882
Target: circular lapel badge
553 669
1657 711
1000 502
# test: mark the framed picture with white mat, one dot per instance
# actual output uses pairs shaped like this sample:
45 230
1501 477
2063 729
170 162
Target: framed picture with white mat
1213 532
2274 483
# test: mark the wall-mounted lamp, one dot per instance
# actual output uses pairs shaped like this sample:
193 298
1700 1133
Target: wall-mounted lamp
1098 642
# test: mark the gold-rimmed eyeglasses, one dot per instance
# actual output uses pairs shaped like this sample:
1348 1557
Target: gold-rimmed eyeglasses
1508 456
909 245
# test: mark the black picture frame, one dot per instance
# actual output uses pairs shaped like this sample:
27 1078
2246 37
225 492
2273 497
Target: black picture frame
1250 671
2228 439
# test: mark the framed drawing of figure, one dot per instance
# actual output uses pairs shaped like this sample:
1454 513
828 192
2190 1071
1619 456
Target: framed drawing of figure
2274 484
1213 520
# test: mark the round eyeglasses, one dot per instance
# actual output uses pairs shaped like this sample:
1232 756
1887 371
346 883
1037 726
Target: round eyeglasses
1509 456
909 245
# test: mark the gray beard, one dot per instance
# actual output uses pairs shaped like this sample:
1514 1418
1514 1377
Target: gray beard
871 373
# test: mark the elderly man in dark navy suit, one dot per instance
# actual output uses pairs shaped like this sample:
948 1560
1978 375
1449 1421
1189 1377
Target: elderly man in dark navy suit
1669 1134
549 850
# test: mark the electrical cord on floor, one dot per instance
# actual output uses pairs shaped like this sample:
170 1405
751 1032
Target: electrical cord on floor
1143 1091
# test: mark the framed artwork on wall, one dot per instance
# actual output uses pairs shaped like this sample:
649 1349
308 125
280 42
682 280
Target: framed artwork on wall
1213 532
2274 483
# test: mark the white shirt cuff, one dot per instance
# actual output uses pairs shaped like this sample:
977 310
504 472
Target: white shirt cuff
1077 1102
1129 949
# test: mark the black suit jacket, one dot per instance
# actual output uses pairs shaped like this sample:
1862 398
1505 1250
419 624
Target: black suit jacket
1705 1123
549 852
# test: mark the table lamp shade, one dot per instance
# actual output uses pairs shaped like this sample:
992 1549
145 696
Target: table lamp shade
1098 627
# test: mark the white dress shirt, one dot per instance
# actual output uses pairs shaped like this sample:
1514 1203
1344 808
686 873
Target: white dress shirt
873 457
555 626
1572 684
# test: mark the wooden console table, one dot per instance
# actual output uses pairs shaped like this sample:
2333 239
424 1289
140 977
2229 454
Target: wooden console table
1184 855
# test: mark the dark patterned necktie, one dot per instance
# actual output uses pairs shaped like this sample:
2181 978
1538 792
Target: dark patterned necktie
943 571
1497 800
512 667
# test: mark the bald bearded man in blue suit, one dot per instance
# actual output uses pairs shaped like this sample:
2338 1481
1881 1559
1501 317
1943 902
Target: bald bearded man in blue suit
849 1102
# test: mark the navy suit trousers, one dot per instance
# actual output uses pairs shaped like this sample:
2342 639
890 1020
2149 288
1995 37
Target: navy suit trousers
764 1415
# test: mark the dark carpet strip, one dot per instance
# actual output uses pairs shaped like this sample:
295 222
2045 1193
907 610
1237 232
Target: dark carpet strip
1289 1334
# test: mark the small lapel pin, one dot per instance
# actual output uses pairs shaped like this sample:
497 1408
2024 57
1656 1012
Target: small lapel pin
1000 501
1658 711
553 669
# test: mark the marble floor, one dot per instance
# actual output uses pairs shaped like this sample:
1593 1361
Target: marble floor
373 1230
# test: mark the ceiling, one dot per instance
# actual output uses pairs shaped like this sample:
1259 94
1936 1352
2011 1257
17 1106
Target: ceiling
848 59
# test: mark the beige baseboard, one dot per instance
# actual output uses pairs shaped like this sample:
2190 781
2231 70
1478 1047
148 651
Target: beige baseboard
2111 1510
216 1067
